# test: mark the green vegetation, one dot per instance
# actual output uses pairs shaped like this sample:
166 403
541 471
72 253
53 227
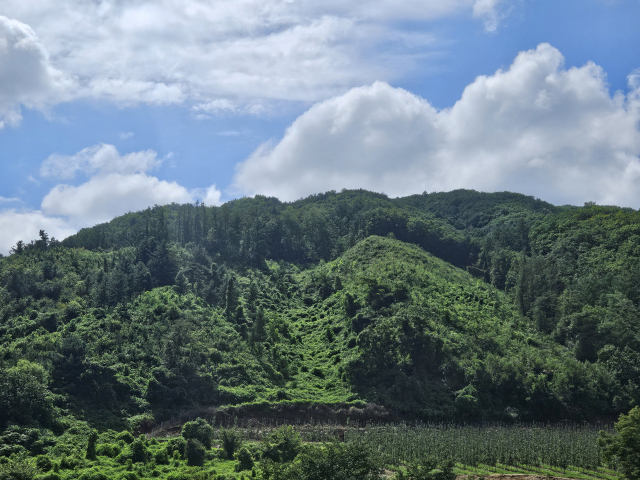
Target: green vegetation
458 306
624 447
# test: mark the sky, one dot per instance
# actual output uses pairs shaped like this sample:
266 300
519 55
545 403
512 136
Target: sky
111 106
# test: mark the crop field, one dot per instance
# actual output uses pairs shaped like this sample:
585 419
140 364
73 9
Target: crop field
569 451
559 450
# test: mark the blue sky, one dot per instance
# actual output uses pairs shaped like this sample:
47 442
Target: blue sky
111 106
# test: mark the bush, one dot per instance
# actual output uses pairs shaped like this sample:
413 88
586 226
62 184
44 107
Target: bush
625 445
199 430
195 453
91 445
18 469
107 450
44 463
139 452
428 470
161 457
245 460
141 423
179 476
231 442
69 463
126 437
49 476
176 445
333 461
282 445
91 475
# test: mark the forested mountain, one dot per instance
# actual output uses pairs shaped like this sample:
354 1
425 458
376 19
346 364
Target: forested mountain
447 306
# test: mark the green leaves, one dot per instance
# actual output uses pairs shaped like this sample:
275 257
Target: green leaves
625 446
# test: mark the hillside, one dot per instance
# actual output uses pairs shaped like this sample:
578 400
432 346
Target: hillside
450 306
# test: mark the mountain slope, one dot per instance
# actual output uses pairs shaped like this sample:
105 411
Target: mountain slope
336 298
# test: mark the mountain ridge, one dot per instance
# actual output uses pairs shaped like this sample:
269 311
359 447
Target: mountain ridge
458 306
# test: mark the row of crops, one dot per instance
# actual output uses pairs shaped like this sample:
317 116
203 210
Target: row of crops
493 448
525 447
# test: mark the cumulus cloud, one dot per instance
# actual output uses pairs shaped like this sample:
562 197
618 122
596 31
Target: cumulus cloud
102 158
26 75
106 196
223 57
117 184
25 224
537 128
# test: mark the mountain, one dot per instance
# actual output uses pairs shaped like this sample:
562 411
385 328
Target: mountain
446 306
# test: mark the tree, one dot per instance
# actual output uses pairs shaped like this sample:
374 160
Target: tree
24 398
245 460
199 430
195 453
231 441
139 451
91 445
19 247
259 332
625 445
283 445
43 243
231 298
182 284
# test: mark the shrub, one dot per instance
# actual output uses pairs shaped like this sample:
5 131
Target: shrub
126 437
245 460
141 423
231 441
139 451
91 475
625 445
44 463
49 476
199 430
428 470
161 457
178 476
176 445
195 453
91 445
69 463
108 450
333 461
282 445
18 469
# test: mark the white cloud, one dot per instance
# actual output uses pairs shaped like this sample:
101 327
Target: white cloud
125 135
536 128
26 75
102 158
492 12
224 57
108 195
24 225
117 184
212 196
9 200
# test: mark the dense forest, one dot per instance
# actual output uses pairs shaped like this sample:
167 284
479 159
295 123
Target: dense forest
459 306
